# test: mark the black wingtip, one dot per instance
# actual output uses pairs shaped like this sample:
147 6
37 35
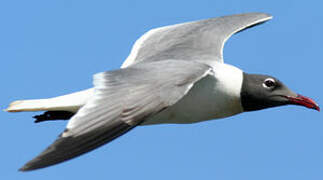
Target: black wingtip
31 165
65 148
24 169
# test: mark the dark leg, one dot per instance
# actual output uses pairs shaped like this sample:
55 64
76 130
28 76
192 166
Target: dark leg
53 115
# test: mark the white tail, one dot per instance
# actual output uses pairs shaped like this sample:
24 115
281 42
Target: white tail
70 102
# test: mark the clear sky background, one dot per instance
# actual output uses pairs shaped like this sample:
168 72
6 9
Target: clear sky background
54 48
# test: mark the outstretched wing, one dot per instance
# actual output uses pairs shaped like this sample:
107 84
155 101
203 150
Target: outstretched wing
199 40
122 100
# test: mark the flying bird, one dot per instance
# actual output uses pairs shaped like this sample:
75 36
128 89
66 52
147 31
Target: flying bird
174 74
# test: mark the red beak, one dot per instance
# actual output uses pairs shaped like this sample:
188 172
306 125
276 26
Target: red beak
304 101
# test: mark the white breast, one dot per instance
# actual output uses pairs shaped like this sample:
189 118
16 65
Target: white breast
213 97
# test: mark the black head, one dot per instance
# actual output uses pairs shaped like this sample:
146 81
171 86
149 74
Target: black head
261 91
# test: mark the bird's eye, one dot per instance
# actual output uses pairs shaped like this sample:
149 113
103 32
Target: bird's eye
269 83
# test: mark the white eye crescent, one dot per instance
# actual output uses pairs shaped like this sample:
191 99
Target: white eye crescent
269 83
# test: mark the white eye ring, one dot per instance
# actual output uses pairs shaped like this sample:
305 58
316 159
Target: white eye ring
269 83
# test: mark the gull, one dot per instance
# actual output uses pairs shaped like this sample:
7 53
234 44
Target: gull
174 74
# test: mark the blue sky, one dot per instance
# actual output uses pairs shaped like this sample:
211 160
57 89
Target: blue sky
53 48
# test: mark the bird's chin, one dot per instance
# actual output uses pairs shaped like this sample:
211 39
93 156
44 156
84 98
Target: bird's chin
303 101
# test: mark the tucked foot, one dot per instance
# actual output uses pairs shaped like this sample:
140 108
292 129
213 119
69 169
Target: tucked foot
53 115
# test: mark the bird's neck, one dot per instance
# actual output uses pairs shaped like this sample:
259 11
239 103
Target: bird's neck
229 83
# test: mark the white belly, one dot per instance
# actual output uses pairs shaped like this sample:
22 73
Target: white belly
210 98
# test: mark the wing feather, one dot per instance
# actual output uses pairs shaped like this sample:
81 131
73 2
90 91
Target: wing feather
194 41
122 100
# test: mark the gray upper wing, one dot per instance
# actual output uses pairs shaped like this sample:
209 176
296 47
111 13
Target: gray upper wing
199 40
122 99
